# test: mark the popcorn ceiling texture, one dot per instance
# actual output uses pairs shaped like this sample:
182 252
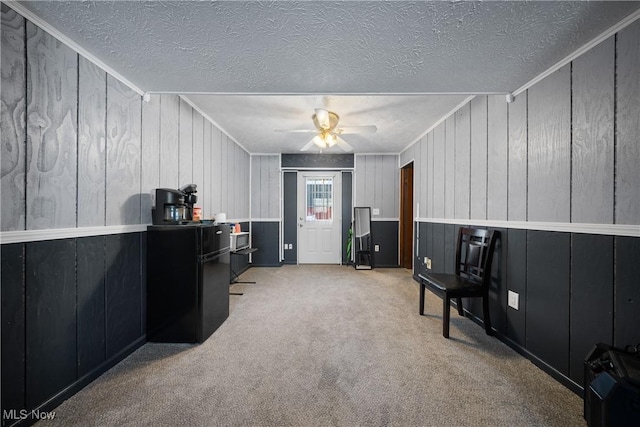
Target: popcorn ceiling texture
331 47
271 53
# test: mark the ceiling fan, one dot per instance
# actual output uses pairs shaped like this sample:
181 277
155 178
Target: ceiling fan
326 123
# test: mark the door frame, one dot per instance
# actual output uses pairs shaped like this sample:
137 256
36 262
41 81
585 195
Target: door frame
336 211
406 229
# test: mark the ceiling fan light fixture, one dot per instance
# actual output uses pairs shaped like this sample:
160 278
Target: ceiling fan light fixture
319 141
330 139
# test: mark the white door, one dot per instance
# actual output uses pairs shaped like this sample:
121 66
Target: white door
319 217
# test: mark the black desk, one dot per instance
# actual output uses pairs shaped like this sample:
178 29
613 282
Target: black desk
234 275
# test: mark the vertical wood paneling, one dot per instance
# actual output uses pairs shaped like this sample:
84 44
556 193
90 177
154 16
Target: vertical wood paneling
204 200
430 161
92 112
549 148
185 141
547 298
379 201
90 303
273 188
516 276
12 120
150 179
438 171
591 298
169 148
13 325
627 291
497 156
216 171
51 351
52 101
256 179
224 177
417 173
592 135
462 162
391 189
198 151
517 206
360 163
422 192
245 183
123 154
627 174
449 167
478 188
122 284
407 155
234 175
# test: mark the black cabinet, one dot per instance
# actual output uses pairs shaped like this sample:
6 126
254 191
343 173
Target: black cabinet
188 276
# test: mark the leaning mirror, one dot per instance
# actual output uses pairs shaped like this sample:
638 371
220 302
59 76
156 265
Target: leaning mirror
362 238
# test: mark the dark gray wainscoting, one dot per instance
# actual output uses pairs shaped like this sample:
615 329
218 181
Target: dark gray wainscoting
71 309
575 290
347 211
289 214
385 234
265 236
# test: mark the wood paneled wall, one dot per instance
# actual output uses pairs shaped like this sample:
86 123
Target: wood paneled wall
265 187
549 156
79 148
565 151
377 184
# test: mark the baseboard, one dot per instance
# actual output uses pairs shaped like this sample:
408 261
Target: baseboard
55 401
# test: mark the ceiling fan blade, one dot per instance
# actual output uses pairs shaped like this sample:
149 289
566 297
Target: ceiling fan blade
308 145
356 129
296 130
322 116
343 144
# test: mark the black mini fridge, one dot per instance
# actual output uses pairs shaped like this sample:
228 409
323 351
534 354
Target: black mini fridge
188 276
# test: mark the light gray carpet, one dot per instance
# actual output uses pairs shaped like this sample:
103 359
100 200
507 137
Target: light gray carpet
323 346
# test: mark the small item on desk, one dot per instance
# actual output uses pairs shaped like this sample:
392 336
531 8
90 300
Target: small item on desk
237 228
197 213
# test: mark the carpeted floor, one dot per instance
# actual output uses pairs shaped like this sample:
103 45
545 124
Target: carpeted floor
327 346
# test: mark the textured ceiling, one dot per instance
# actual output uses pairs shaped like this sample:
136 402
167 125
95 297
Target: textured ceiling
330 48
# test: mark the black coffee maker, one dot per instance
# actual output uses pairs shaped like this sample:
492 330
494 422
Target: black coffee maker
190 198
174 206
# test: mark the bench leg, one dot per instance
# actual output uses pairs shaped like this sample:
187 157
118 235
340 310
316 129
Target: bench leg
421 298
445 316
459 303
487 318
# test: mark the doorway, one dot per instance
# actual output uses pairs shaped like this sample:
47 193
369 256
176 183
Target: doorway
320 217
406 216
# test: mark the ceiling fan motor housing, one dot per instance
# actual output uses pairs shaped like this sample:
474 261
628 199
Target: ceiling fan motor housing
325 120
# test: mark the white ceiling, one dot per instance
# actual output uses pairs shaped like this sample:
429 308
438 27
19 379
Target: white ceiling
254 67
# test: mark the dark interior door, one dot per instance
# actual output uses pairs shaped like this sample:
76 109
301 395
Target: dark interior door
406 216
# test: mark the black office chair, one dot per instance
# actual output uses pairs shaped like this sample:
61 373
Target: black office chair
474 254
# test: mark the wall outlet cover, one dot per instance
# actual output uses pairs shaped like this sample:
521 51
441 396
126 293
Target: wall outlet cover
514 299
376 248
376 211
428 263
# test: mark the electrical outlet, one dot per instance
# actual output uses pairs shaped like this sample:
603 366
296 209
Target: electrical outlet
376 211
427 261
513 300
376 248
